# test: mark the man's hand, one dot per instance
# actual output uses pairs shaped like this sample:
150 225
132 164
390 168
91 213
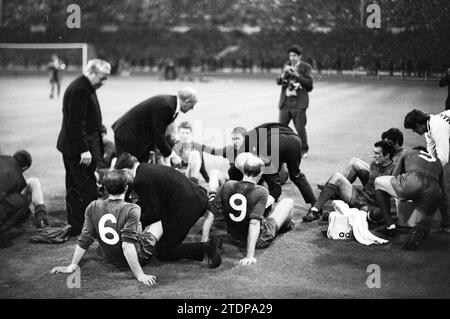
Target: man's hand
247 261
147 279
64 269
86 158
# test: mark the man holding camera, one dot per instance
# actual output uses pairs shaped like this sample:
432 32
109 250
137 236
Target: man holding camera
296 82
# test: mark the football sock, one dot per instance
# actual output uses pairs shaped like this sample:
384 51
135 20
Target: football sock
328 192
212 195
383 201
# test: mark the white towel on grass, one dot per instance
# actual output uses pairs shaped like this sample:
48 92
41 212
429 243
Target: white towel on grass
357 219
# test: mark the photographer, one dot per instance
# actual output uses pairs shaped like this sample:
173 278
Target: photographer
296 82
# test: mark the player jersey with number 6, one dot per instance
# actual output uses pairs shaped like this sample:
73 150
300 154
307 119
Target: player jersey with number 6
112 222
239 202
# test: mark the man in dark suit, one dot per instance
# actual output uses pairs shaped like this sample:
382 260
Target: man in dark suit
143 128
80 140
296 82
166 195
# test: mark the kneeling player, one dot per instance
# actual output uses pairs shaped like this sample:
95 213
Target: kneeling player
418 177
242 203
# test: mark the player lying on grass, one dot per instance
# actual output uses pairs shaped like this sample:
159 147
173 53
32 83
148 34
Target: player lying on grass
242 203
418 177
17 194
354 195
115 223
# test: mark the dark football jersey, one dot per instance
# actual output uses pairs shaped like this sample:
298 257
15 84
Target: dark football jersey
376 171
111 222
238 202
419 162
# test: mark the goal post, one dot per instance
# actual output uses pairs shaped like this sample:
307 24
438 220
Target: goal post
87 50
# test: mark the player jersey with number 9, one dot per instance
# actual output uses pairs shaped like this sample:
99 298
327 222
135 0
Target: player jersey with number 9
242 207
108 230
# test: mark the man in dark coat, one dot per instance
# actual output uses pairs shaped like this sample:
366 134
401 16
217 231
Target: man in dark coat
142 129
167 195
296 82
80 140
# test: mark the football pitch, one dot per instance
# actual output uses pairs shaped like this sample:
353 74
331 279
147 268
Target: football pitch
346 117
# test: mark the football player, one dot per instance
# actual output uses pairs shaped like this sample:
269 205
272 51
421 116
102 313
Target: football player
116 224
436 129
242 203
16 195
359 197
418 176
186 157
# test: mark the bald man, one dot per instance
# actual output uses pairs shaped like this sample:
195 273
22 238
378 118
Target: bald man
142 129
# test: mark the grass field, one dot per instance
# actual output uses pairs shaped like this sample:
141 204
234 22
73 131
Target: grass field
345 118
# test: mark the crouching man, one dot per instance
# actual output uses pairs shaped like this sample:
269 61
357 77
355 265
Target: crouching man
243 203
16 195
418 177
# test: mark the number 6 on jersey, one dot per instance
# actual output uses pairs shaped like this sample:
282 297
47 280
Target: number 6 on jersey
108 230
242 207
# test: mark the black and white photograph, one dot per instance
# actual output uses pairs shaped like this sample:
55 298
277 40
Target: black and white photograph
224 155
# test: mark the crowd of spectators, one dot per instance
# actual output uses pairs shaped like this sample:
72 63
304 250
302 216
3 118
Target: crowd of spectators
407 53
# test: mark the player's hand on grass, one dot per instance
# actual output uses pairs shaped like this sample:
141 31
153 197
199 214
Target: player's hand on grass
247 261
147 279
86 158
64 269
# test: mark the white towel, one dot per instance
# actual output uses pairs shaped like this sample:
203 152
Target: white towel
357 219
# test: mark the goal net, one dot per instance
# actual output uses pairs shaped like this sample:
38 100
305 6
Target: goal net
37 56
